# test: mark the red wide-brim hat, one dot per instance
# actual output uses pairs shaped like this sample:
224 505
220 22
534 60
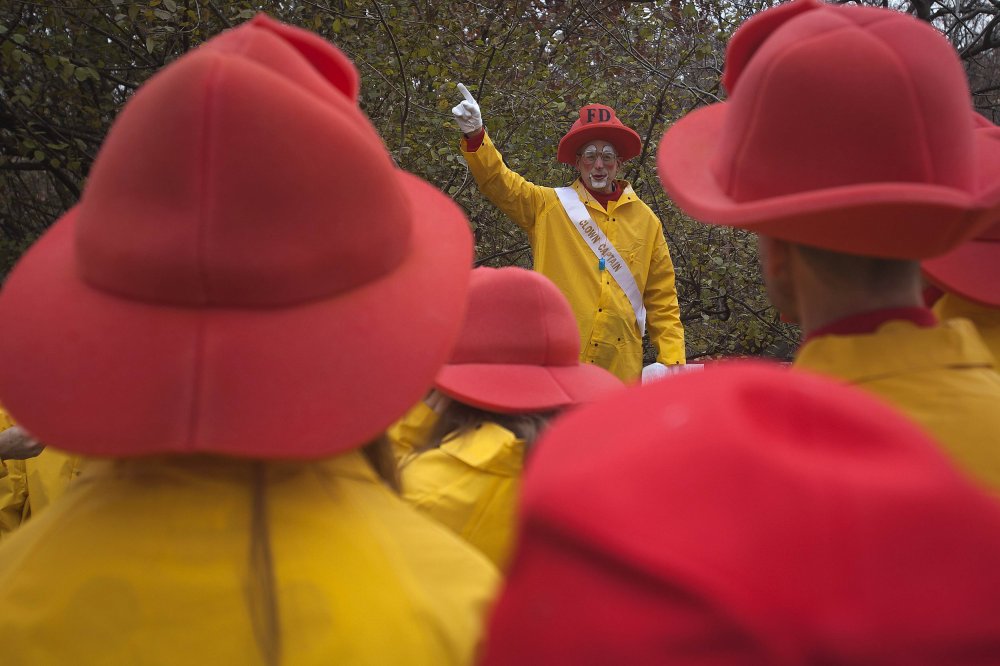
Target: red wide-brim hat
524 388
247 274
519 348
598 122
847 128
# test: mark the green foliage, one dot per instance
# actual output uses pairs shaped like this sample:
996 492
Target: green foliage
66 69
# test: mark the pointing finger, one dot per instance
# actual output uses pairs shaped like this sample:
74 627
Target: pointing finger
465 93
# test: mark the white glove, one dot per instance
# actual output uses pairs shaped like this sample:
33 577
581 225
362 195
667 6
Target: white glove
467 113
657 371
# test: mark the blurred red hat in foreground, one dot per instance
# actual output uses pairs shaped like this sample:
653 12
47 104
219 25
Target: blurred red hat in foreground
246 273
846 128
748 515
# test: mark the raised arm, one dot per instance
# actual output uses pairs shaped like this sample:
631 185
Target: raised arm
520 199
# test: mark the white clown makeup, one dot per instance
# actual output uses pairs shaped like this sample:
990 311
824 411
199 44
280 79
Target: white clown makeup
598 165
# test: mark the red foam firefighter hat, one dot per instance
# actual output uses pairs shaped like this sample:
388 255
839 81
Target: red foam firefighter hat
972 270
847 128
519 348
598 122
221 287
748 515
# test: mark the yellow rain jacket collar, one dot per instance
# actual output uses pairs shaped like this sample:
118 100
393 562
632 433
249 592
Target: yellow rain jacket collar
985 318
896 348
490 448
470 485
942 377
628 195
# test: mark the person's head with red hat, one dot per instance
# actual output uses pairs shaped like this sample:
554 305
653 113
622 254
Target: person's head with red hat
748 516
224 333
596 144
515 366
850 146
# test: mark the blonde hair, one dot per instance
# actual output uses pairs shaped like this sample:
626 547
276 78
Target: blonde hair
260 586
459 418
378 453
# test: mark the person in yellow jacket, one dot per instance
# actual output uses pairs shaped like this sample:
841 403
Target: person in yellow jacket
969 276
846 204
212 322
516 364
596 240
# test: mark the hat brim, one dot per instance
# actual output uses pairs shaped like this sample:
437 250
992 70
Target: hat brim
94 373
510 389
915 221
972 271
624 139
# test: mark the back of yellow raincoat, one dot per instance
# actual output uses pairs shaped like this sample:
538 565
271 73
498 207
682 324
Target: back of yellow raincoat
203 560
470 484
609 334
985 318
412 431
12 486
942 377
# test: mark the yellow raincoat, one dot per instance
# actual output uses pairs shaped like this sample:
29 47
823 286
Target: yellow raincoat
985 318
609 334
11 485
470 485
152 561
28 486
942 377
412 431
32 484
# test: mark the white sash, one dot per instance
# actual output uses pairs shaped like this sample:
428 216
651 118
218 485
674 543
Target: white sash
603 249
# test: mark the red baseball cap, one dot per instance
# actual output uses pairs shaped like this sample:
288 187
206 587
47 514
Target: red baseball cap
598 122
847 128
748 515
519 348
246 273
